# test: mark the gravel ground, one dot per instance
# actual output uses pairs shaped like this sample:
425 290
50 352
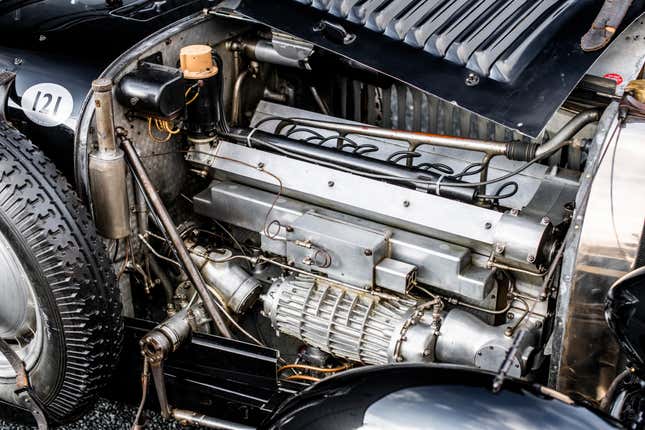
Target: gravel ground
107 415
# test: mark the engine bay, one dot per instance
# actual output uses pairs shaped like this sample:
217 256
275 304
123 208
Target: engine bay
333 214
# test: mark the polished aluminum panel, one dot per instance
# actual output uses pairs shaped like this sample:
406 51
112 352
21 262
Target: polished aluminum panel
602 246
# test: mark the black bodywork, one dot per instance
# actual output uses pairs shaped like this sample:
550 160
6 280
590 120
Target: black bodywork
430 397
70 44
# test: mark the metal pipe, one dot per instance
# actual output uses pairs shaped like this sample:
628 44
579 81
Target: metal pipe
412 137
491 148
171 230
102 89
236 111
358 162
565 134
193 418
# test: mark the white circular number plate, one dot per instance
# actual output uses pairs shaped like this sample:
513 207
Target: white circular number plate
47 104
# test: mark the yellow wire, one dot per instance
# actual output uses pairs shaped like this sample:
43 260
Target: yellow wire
153 137
193 98
169 128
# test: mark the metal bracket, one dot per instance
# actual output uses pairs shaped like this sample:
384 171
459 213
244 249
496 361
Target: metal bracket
6 81
25 393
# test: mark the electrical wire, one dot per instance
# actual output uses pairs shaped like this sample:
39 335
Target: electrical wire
194 97
469 170
155 138
465 172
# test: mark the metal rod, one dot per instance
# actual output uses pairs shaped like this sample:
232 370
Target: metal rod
193 418
166 221
412 137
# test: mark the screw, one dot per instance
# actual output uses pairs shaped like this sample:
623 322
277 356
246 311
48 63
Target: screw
367 252
472 80
260 165
514 212
17 61
538 324
510 316
488 226
330 183
499 248
406 203
42 38
545 220
531 258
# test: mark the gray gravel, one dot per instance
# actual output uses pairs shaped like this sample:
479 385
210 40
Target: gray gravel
108 415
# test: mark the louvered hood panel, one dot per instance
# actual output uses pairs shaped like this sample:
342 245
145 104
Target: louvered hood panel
524 55
494 38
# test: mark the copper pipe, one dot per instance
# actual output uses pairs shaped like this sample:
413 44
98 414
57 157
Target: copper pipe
301 378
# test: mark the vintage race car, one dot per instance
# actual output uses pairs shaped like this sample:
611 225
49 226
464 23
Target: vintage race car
288 214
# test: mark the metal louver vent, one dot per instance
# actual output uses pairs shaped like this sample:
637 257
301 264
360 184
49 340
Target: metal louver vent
494 38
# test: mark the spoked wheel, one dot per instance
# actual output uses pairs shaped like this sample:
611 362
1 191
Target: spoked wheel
60 308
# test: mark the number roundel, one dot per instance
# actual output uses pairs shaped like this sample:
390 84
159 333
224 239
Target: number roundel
47 104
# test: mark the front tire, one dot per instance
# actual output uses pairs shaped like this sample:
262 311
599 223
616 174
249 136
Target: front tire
59 303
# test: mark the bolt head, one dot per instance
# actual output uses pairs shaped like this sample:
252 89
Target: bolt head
545 220
330 184
406 203
472 80
530 258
